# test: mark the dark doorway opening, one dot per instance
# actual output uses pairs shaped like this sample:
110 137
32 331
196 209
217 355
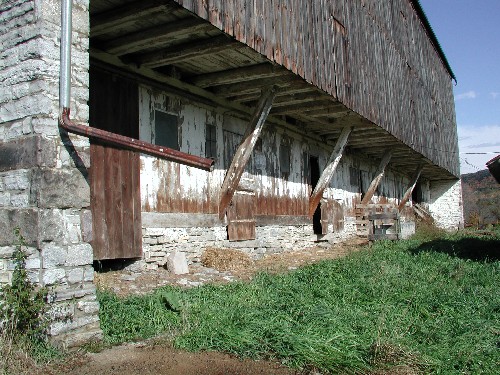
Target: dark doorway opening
314 168
416 194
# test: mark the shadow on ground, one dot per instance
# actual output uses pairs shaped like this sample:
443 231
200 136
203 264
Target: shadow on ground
485 248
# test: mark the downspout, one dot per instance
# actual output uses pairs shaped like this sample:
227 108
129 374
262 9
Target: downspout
88 131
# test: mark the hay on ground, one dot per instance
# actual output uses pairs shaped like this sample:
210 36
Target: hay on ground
225 259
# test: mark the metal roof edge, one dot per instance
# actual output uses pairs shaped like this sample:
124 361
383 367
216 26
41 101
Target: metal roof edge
430 32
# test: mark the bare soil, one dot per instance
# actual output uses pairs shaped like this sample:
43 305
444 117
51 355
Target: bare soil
159 357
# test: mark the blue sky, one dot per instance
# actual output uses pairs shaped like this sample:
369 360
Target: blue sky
469 34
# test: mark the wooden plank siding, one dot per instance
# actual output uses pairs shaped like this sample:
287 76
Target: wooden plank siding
375 57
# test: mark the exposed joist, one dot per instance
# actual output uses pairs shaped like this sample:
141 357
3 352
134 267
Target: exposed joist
126 15
328 172
179 53
245 149
303 108
155 37
253 85
378 177
248 97
237 75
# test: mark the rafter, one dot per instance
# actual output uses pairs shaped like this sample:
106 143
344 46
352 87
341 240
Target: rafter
179 53
155 37
127 14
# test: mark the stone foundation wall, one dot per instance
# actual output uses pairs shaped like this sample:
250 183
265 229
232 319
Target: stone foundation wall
446 205
159 242
44 186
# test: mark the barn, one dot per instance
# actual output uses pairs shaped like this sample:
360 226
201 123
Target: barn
142 128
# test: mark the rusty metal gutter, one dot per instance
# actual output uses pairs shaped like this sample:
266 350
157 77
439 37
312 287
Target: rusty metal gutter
104 136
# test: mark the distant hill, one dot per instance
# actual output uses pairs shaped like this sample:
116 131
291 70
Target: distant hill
481 197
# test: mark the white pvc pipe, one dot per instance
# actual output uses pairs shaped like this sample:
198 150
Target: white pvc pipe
65 68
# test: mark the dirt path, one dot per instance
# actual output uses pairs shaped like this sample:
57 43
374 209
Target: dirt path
132 359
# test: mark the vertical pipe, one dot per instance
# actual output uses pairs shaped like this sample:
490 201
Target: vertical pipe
65 67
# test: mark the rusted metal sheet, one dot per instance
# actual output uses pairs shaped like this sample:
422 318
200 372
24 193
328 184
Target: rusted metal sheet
245 150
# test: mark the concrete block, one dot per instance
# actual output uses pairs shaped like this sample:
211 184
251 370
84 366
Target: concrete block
80 255
86 225
88 274
62 188
75 275
17 180
53 276
24 218
177 263
27 152
53 255
33 262
88 307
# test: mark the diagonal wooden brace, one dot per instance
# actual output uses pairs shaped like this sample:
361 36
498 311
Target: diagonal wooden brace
411 186
327 174
245 149
378 177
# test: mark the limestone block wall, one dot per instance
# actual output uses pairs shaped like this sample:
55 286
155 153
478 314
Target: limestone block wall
445 204
44 186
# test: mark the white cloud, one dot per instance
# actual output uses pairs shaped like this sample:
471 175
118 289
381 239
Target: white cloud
494 95
466 95
477 144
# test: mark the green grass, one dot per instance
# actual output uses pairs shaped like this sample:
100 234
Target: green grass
433 306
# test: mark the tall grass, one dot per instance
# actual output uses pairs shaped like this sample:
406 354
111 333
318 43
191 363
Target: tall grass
425 305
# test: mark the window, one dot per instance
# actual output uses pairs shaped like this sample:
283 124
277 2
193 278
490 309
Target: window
285 151
166 131
210 141
353 177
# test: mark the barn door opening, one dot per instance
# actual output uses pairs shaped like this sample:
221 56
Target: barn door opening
114 172
241 210
315 175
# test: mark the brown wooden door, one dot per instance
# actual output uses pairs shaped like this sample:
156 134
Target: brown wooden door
114 172
115 203
241 210
241 216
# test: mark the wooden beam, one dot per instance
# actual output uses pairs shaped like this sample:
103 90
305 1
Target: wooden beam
254 85
411 186
179 53
301 107
156 36
236 75
245 149
378 177
110 20
327 174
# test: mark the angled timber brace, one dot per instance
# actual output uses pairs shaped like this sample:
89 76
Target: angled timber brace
411 186
378 177
327 174
245 149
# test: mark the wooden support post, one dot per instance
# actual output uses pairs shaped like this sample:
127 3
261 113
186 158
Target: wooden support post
245 149
327 174
411 186
378 177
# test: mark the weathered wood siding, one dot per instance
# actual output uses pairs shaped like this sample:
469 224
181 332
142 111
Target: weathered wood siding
374 56
280 186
